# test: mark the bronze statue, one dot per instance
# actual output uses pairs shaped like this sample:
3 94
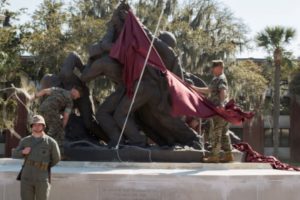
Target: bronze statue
150 115
152 92
67 79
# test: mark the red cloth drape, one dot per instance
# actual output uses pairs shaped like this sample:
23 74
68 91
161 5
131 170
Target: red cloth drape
253 156
131 49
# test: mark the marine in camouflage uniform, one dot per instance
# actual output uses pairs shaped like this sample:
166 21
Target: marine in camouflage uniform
218 94
58 102
220 137
41 152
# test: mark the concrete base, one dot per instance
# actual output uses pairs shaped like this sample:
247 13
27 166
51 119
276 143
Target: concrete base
2 149
159 181
137 154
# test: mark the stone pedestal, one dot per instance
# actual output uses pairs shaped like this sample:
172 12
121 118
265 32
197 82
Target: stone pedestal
137 154
159 181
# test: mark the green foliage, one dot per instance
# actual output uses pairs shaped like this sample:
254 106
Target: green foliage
9 52
275 37
217 32
87 24
57 29
273 40
93 8
247 84
7 112
205 30
294 86
3 4
289 65
44 38
149 11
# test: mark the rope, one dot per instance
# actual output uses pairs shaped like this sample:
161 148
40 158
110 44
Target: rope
144 149
118 155
139 81
202 137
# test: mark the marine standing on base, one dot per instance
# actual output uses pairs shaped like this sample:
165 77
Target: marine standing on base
41 152
58 102
218 94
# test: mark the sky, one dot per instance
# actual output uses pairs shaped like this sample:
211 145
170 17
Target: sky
256 14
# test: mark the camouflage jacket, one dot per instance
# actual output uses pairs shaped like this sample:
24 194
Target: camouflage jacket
59 100
218 83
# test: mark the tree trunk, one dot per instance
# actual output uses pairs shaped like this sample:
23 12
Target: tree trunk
294 129
276 108
20 126
253 133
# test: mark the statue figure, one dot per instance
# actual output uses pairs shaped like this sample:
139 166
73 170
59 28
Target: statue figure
67 79
152 92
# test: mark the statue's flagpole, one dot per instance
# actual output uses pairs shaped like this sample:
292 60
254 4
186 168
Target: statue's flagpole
140 78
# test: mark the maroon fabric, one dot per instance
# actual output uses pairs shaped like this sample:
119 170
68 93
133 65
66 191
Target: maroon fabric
131 49
253 156
188 102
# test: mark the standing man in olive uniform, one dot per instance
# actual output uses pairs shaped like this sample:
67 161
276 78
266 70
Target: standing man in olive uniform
218 94
40 152
58 102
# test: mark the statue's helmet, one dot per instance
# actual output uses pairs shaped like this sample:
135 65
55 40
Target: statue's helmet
120 12
168 38
37 119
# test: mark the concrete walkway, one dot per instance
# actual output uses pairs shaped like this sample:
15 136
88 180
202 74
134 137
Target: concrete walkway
159 181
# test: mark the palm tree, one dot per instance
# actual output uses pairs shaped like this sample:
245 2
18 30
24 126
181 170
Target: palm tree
274 39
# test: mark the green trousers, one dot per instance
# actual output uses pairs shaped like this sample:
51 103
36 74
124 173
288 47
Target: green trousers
35 190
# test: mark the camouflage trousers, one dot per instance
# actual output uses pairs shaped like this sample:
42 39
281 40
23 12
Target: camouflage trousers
54 126
220 137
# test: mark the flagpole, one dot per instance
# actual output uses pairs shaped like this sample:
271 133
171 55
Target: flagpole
140 78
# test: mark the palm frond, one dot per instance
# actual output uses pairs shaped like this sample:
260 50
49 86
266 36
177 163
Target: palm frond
290 33
275 37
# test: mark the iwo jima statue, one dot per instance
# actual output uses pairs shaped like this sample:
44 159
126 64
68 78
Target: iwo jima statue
163 98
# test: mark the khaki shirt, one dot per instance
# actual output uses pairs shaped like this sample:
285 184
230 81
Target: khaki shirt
43 150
